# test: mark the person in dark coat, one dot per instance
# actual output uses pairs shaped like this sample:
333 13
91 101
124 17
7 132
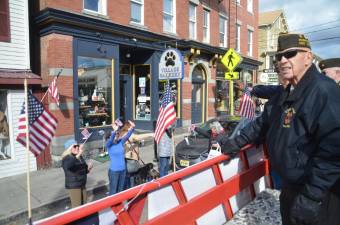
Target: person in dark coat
76 170
331 68
213 133
301 126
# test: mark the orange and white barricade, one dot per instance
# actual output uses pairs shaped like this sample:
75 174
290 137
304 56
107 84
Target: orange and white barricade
210 192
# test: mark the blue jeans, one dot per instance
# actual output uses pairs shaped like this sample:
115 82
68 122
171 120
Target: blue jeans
117 181
163 166
276 180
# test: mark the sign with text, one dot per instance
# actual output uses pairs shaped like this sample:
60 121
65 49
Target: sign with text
231 75
171 65
231 59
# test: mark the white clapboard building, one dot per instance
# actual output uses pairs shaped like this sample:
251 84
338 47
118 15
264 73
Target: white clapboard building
14 66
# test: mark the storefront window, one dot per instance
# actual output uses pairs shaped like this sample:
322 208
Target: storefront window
94 91
142 79
5 150
174 84
222 95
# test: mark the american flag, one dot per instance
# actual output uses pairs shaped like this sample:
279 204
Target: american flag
167 114
53 90
247 106
42 126
86 134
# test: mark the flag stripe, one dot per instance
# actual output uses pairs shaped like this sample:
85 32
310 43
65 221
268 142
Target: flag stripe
247 106
42 126
167 113
53 90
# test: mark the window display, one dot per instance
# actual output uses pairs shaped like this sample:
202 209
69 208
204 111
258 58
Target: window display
222 95
94 91
174 91
142 92
5 150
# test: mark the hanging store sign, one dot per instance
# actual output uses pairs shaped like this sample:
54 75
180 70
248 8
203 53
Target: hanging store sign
171 66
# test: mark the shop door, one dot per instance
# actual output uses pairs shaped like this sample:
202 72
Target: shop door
196 102
125 85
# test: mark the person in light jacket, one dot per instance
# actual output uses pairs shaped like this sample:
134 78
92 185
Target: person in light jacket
115 148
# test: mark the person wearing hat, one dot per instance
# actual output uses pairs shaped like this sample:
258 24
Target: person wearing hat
301 126
331 68
76 170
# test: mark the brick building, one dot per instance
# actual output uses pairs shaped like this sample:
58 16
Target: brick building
107 54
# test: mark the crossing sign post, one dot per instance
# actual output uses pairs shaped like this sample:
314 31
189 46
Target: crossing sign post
231 60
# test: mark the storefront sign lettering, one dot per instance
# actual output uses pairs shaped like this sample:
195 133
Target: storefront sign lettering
171 65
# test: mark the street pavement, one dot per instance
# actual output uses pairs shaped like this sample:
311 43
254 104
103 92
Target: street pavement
48 195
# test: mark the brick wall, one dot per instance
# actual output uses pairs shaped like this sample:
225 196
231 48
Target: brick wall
57 52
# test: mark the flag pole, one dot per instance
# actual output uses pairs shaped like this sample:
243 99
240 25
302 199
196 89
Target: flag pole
61 70
27 155
173 151
173 141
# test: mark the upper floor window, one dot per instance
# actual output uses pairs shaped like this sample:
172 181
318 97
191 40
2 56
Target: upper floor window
137 11
223 32
238 2
250 43
238 37
250 6
192 21
169 18
206 25
97 6
5 34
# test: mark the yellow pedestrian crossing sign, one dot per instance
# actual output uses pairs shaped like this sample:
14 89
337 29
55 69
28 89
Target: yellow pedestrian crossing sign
231 75
231 59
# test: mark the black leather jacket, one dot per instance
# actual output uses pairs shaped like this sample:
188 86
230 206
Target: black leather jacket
266 91
75 171
302 130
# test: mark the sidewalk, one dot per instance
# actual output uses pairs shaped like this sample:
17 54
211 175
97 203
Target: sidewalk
48 195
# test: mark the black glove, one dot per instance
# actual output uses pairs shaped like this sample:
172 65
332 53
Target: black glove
229 147
304 210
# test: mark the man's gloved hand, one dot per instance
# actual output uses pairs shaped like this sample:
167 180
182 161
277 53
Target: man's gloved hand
229 147
304 210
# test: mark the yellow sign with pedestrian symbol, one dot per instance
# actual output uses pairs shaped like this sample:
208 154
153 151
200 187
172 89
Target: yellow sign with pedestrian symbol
231 75
231 59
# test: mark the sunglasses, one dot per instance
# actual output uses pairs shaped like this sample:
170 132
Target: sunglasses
288 54
75 146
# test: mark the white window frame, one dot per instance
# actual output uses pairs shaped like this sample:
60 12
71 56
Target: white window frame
238 2
102 7
193 21
141 3
173 15
225 33
250 6
250 42
238 37
206 27
9 115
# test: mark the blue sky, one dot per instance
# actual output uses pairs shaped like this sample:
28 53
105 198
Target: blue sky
318 19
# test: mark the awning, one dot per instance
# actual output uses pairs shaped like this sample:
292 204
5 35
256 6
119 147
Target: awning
18 76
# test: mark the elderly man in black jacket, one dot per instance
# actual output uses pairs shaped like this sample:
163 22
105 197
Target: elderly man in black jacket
301 126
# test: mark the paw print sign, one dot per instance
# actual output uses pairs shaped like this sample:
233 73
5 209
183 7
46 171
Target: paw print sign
171 65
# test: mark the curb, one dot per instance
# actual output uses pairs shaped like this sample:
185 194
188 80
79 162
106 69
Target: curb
49 209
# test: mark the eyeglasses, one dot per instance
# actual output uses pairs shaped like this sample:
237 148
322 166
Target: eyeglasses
288 54
75 146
